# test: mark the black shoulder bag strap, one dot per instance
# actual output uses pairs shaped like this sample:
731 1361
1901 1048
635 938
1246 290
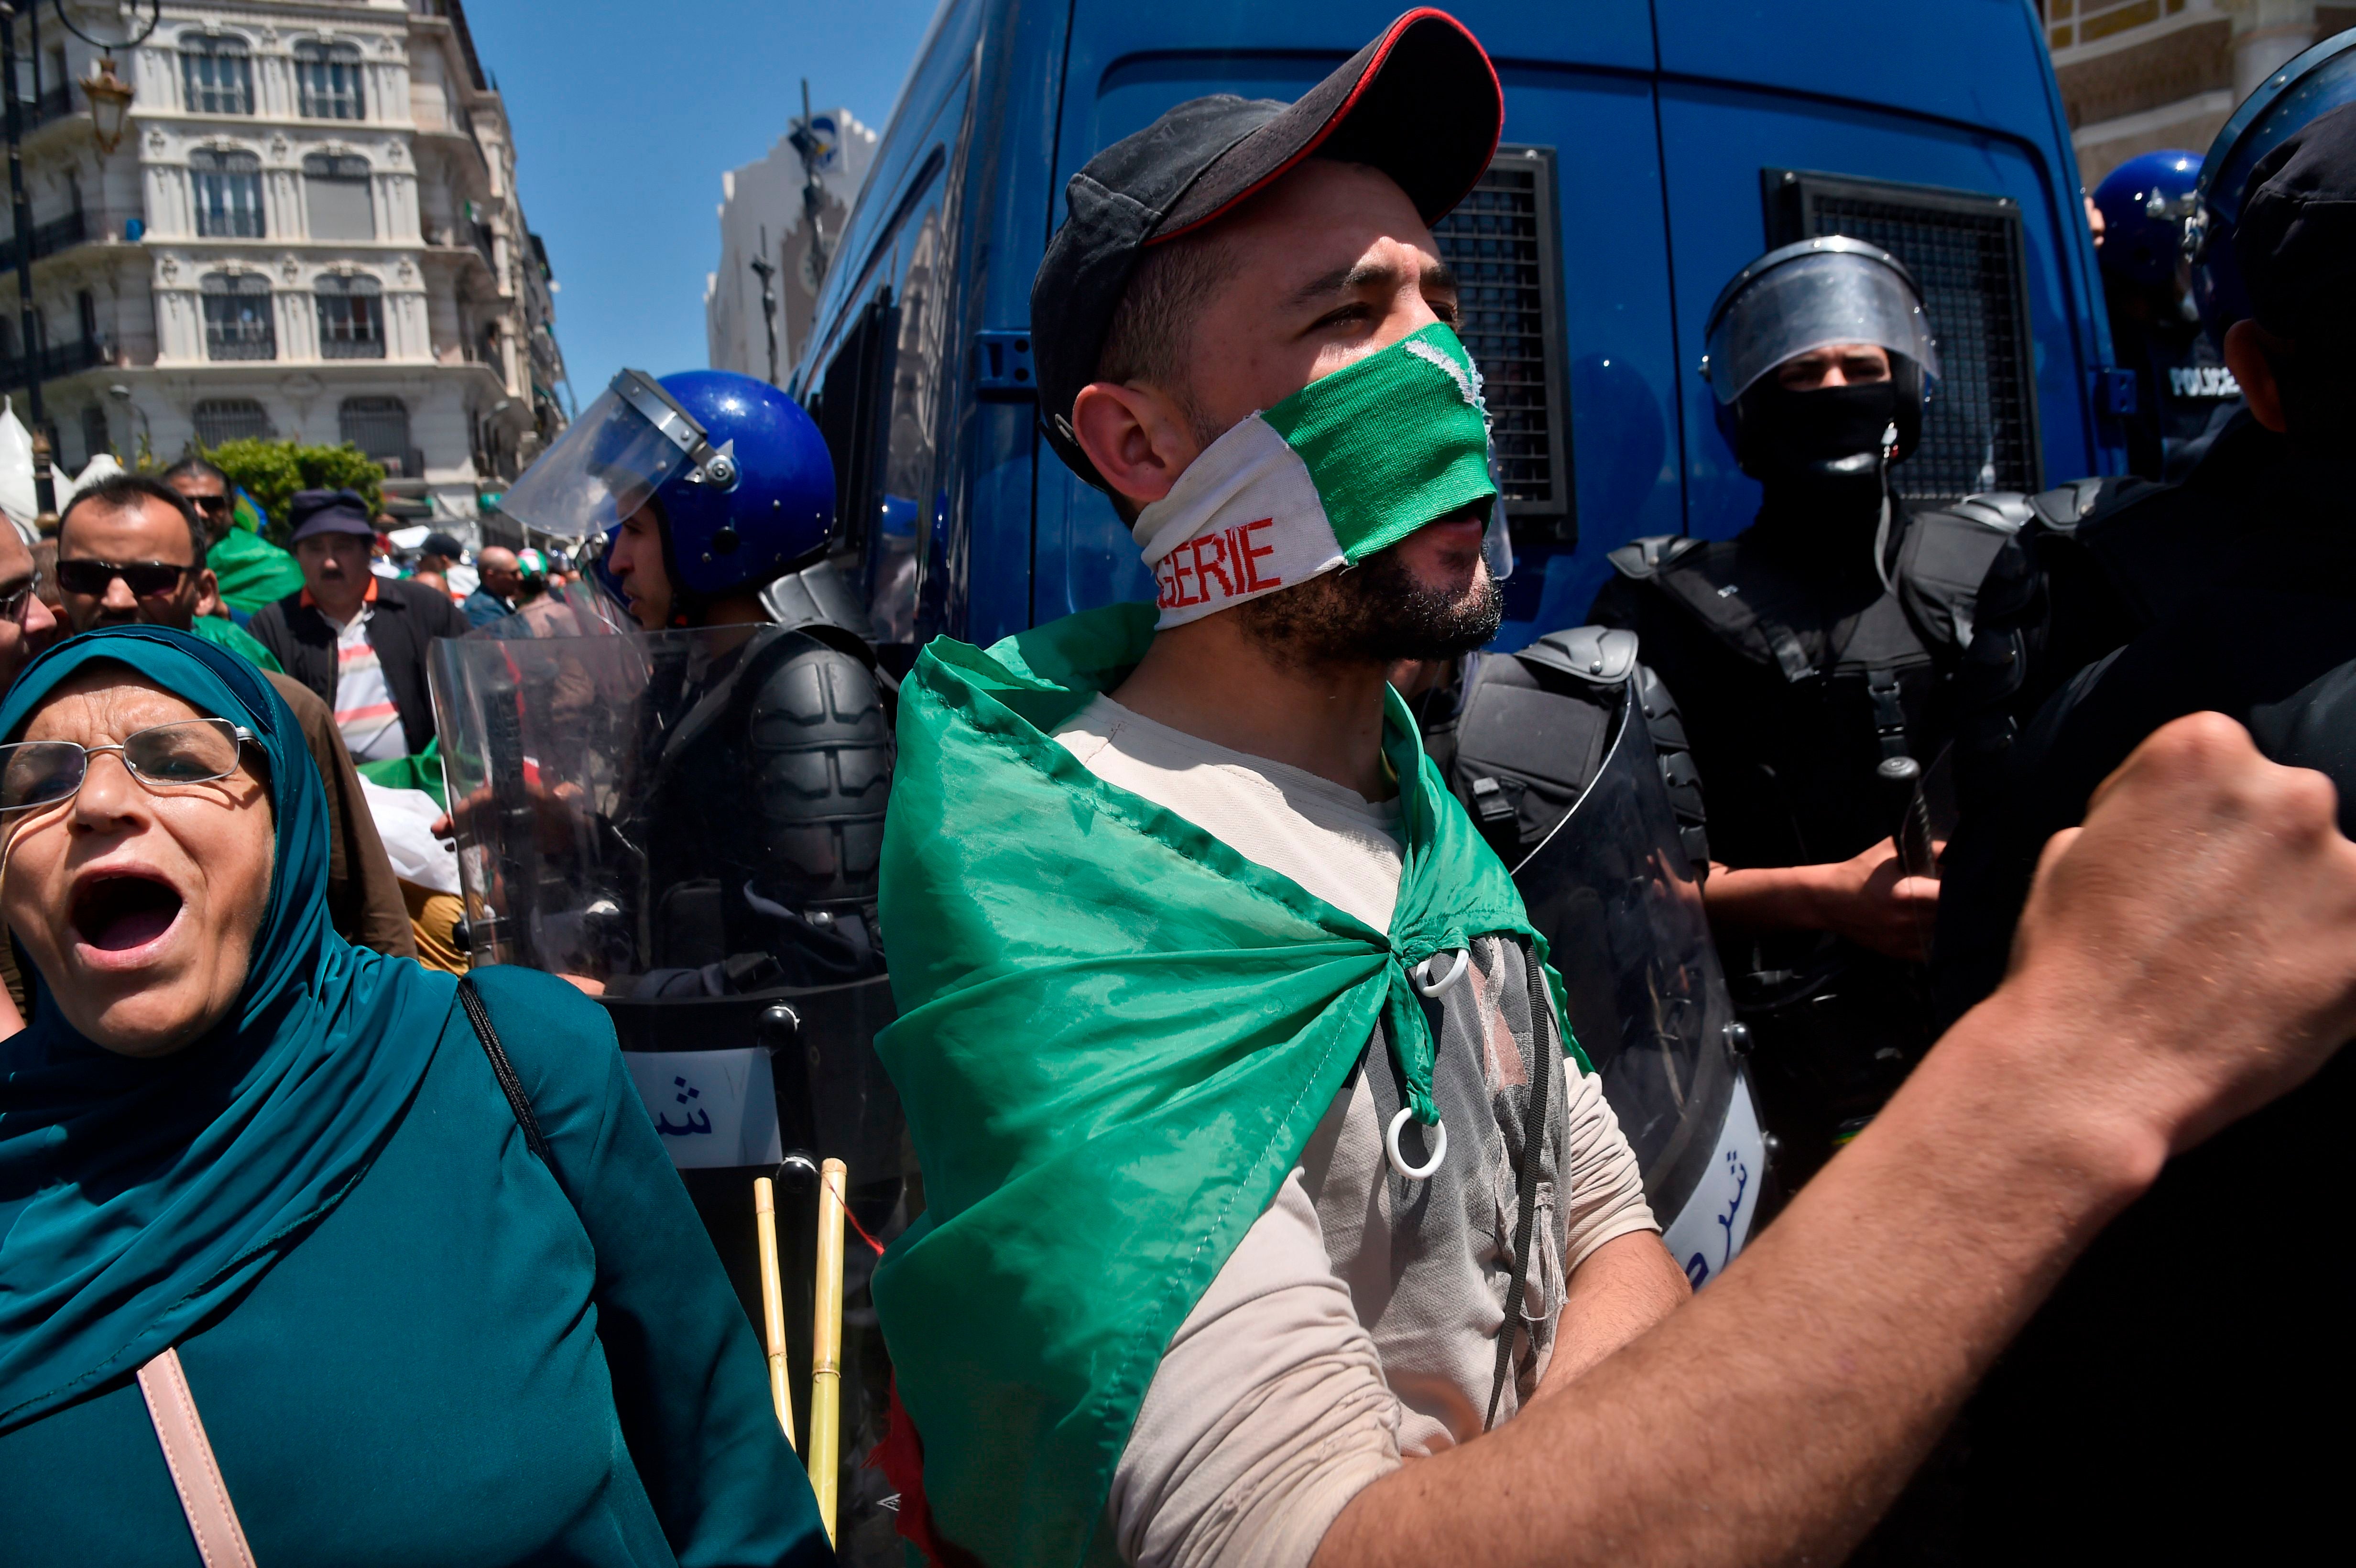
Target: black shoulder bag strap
479 1015
1534 1131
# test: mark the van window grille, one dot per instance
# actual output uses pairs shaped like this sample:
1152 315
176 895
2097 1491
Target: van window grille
1503 244
1965 253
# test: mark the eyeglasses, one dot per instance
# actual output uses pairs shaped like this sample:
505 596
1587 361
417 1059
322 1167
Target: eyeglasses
13 601
212 503
145 579
190 751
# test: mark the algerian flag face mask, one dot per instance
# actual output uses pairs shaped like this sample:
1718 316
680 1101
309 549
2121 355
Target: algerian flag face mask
1350 464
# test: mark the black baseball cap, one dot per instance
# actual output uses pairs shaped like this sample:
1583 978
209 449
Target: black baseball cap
441 544
2296 242
315 512
1421 104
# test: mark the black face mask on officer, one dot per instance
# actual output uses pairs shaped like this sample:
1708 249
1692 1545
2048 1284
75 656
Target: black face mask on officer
1821 446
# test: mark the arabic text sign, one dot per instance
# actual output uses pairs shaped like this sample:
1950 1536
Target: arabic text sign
712 1108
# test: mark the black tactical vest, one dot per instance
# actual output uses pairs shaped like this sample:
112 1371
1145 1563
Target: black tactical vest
1793 705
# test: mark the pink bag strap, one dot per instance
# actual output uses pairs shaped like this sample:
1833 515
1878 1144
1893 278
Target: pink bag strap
212 1518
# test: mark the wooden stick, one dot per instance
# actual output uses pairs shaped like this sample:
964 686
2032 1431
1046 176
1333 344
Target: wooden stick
826 1344
773 1304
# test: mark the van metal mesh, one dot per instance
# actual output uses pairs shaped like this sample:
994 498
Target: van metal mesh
1500 243
1964 251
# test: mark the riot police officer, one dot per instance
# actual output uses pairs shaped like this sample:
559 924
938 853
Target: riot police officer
1808 654
773 777
686 816
2210 1317
2098 562
2184 391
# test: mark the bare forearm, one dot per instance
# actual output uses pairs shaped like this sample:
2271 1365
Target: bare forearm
1756 898
1776 1418
1622 1288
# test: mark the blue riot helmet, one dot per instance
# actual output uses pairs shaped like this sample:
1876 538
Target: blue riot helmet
737 472
2146 203
2314 83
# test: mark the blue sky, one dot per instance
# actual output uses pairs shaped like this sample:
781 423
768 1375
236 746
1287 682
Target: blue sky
625 118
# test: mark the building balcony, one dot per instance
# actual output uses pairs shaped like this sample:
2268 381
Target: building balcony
57 360
48 238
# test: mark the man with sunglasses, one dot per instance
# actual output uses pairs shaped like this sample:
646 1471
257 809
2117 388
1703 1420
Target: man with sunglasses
251 570
127 551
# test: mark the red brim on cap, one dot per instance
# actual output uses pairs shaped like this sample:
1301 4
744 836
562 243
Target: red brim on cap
1421 104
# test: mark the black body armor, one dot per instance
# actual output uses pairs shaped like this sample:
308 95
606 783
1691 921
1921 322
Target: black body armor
1795 695
2094 564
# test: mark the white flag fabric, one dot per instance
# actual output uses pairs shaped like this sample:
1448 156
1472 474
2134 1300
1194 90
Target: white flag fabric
101 468
16 496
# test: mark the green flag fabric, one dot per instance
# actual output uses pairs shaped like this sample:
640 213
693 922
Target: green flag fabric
224 632
253 571
422 770
1350 464
1116 1035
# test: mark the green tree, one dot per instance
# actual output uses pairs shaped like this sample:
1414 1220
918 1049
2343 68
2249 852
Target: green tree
272 471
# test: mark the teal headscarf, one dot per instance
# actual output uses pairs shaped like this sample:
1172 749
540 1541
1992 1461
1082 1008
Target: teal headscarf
139 1198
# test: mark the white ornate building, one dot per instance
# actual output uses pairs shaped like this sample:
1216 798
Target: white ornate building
761 213
309 230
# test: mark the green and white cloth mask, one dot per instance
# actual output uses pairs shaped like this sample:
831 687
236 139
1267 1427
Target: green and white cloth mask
1350 464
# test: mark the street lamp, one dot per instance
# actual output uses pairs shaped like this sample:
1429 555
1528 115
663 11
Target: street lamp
110 104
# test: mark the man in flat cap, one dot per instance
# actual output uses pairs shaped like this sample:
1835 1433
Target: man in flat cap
358 640
1271 1214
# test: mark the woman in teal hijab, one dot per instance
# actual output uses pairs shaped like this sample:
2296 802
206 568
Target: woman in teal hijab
234 1144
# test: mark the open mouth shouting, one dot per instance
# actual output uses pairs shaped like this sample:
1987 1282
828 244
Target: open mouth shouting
119 917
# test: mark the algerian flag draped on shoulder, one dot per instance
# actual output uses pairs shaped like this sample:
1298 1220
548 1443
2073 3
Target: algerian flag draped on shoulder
1116 1036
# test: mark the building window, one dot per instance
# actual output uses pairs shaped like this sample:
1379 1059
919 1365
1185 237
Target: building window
351 317
220 420
94 438
327 79
215 76
238 322
379 427
228 189
336 192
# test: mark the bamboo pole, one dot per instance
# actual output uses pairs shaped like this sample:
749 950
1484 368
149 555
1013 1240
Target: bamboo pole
826 1344
773 1305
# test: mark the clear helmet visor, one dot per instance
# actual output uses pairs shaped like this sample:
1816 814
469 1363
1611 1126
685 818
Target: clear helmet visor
602 469
1813 302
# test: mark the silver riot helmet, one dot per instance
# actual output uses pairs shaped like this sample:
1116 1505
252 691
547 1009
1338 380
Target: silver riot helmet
1806 296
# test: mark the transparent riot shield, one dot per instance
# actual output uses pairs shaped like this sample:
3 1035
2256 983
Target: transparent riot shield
1612 890
597 783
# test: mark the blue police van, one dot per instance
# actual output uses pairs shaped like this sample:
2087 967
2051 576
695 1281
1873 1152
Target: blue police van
1651 149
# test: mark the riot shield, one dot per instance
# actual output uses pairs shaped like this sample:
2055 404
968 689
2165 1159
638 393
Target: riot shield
597 786
1612 889
596 781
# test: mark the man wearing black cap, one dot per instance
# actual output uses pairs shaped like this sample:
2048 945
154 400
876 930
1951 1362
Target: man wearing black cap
1233 329
360 640
2212 1317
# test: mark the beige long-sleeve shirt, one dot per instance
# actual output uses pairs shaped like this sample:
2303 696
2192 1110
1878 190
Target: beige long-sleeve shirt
1356 1322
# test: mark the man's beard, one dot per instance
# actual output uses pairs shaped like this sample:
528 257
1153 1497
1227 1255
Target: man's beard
1375 612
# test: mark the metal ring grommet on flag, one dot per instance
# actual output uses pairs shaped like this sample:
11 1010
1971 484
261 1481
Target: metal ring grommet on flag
1431 987
1399 1161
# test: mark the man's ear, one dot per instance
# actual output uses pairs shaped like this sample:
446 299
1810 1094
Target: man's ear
1135 437
2247 346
